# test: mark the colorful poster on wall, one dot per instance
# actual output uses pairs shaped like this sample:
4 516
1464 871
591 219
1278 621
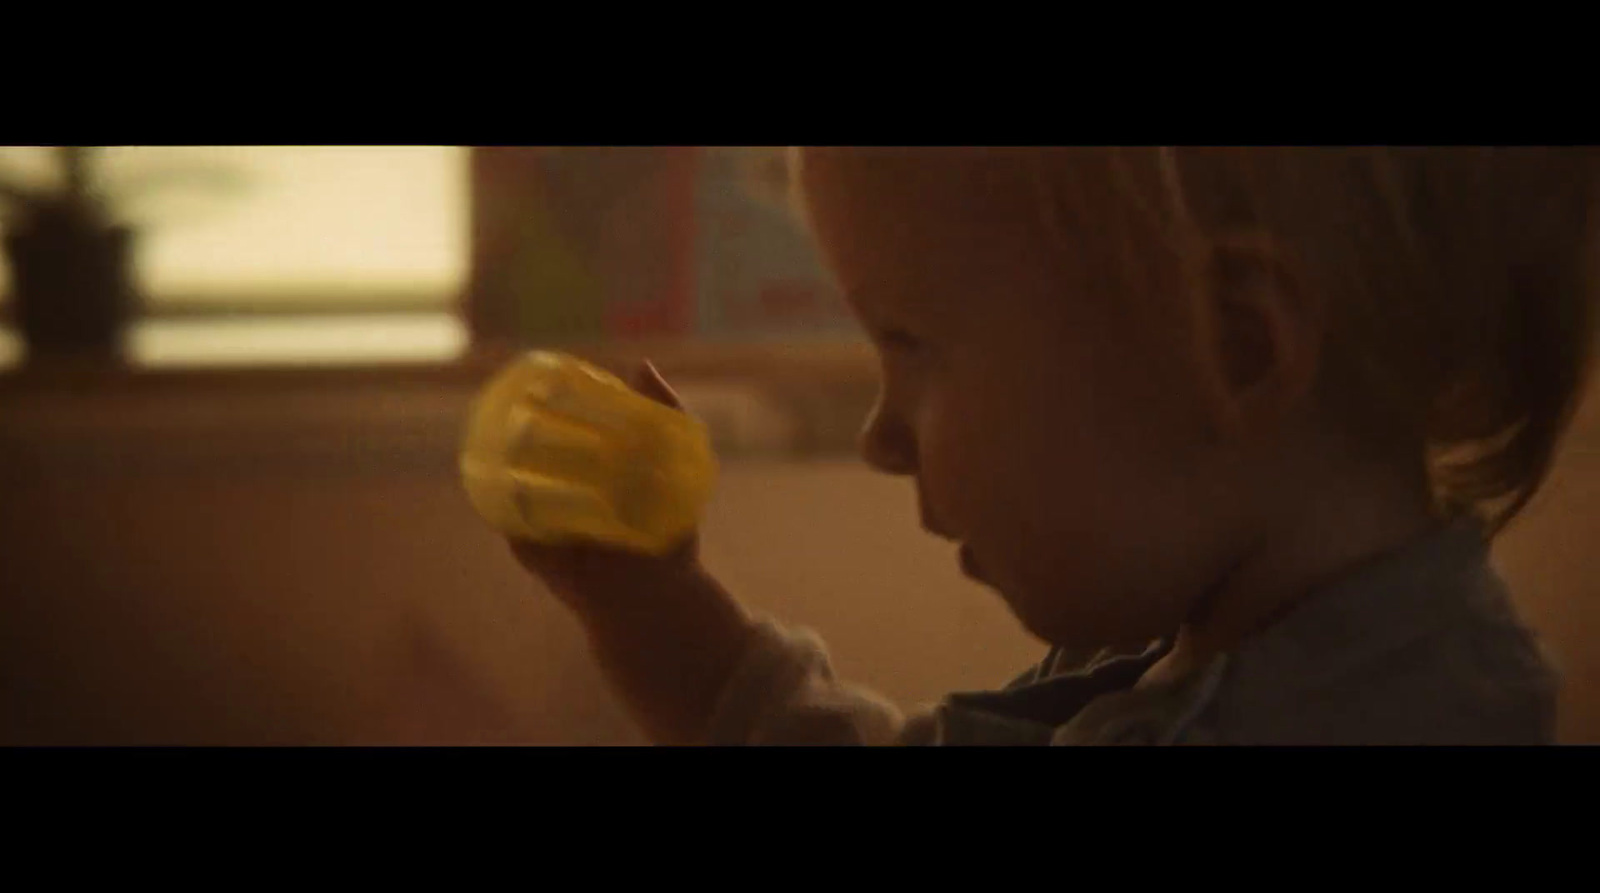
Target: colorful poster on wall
643 242
604 246
759 276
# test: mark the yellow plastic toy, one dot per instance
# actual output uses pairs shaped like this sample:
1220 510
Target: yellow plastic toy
557 450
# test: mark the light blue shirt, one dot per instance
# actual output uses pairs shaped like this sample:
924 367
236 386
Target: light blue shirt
1418 647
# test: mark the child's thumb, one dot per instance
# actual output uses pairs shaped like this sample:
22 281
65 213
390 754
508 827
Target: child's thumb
648 381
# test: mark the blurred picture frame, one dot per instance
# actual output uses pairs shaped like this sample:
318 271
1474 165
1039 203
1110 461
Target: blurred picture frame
690 256
598 244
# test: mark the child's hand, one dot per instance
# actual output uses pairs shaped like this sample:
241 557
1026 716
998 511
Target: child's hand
666 635
591 576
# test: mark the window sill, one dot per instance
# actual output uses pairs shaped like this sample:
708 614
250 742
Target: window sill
784 400
776 363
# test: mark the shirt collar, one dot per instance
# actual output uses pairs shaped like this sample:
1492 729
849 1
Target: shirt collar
1384 604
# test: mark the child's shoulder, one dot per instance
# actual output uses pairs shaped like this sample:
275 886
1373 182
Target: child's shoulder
1420 647
1424 647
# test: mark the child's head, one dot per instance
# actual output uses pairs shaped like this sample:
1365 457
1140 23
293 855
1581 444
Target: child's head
1112 371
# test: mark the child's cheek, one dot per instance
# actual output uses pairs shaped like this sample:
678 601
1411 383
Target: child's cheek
956 446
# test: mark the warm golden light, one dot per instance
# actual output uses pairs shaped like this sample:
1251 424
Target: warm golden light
270 227
356 340
302 224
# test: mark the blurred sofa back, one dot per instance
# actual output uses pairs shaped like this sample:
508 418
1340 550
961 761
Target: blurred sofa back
300 567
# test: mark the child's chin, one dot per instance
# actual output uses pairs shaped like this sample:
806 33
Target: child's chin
1043 619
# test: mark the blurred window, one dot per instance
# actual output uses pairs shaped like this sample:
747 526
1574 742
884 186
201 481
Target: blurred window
361 255
283 254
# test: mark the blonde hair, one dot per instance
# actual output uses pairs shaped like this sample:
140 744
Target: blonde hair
1459 281
1461 289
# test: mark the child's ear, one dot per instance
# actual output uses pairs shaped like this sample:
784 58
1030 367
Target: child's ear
1261 332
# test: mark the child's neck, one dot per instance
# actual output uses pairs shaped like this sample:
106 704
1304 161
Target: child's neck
1341 522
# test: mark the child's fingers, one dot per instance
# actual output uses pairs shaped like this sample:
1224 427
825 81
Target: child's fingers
581 571
648 381
578 569
557 567
574 573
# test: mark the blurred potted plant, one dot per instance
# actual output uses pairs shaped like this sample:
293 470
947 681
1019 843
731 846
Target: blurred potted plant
70 250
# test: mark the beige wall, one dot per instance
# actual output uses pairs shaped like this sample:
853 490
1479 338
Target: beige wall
215 591
1551 558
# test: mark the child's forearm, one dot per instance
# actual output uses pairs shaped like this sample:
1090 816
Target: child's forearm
669 653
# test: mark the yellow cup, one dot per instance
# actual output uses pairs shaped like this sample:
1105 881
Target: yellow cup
557 450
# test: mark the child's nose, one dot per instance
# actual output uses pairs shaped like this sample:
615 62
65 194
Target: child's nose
887 444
